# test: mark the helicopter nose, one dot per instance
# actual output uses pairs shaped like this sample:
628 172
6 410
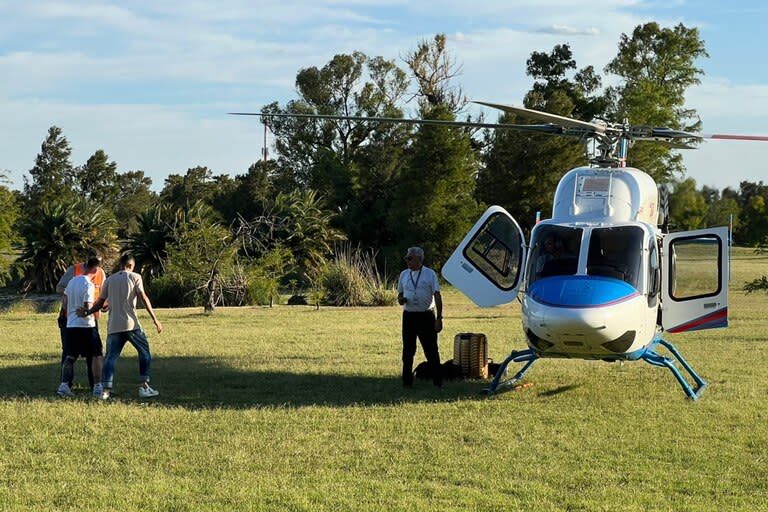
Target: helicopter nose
578 314
577 323
578 292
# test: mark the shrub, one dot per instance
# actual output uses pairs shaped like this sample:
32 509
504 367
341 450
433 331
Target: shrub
262 289
170 291
352 279
343 285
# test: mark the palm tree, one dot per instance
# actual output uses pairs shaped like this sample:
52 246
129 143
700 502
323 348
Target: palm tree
150 242
57 235
309 233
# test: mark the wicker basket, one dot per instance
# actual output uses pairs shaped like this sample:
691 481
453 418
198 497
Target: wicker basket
470 352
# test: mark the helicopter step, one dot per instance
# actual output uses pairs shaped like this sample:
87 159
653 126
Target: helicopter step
650 356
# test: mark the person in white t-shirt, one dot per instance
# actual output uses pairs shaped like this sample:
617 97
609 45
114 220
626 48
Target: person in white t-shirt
97 279
122 289
82 334
418 291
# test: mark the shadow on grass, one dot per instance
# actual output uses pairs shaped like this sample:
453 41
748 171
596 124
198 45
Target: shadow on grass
199 383
558 390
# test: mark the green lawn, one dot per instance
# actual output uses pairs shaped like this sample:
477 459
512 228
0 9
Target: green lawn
293 408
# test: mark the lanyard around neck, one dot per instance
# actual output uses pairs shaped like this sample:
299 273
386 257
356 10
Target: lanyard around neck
415 283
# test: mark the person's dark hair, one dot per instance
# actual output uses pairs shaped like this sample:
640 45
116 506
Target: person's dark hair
93 259
126 259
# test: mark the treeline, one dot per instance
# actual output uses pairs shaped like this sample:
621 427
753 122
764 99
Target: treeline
344 199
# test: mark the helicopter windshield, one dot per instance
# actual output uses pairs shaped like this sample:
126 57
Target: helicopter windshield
554 252
616 252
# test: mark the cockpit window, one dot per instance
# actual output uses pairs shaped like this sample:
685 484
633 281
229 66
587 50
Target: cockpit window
616 252
554 252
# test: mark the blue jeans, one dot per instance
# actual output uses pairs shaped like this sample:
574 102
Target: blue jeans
115 343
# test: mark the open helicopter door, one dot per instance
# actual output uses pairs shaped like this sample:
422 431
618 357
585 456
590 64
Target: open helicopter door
488 264
695 280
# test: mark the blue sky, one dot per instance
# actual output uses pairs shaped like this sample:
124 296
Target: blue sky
150 82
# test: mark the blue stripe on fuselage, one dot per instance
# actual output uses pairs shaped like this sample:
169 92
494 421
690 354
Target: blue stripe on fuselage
580 291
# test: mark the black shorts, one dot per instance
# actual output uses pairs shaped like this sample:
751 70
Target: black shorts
83 341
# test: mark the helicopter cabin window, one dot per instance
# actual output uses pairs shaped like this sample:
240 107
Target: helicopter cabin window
554 252
495 250
696 267
616 252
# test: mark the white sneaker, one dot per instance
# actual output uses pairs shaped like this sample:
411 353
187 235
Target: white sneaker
64 390
147 392
98 390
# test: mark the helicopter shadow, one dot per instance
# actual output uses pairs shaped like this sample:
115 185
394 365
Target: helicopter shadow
202 383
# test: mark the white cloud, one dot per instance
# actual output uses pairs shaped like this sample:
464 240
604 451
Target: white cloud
158 140
566 30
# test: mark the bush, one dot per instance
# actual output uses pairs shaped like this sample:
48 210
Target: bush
262 289
343 285
383 296
170 291
352 279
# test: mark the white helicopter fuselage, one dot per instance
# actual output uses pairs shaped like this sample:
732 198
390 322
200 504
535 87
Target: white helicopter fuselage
600 309
594 286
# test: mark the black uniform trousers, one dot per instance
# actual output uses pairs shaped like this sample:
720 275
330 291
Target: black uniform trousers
65 347
420 325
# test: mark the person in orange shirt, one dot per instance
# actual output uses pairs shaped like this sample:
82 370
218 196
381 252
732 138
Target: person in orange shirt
97 279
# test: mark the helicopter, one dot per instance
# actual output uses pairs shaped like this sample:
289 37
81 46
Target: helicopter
602 279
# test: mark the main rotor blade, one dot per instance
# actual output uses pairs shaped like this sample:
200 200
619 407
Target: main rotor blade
546 116
667 143
669 133
543 128
727 136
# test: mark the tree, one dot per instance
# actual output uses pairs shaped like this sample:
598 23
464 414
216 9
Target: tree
434 70
134 196
9 212
354 166
298 223
97 179
687 206
435 204
198 185
150 241
722 208
52 177
203 254
320 154
246 195
59 234
754 217
521 170
656 67
753 200
308 233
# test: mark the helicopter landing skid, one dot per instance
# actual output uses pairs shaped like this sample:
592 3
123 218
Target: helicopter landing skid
517 356
650 356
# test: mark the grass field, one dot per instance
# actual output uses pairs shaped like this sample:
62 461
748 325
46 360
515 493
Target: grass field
292 408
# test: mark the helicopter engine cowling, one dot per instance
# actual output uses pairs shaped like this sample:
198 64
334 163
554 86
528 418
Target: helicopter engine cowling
588 194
